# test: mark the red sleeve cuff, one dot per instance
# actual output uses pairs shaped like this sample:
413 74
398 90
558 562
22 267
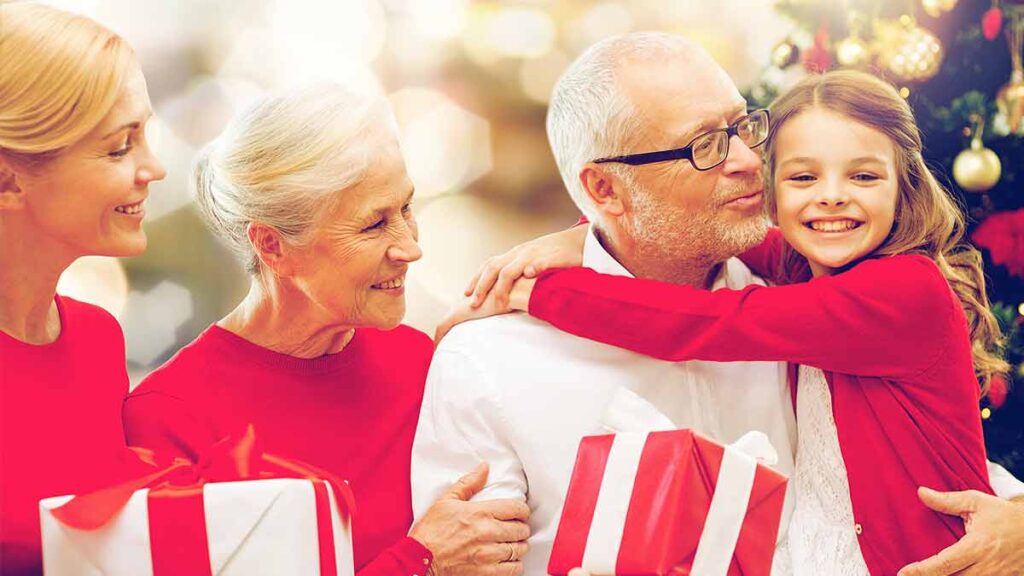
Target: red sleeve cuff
413 555
407 557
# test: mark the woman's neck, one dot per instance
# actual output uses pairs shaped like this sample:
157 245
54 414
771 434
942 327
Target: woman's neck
30 267
283 320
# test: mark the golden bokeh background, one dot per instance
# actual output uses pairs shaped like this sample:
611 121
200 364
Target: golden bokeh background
468 81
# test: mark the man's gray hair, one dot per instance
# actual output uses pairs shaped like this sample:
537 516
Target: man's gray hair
589 117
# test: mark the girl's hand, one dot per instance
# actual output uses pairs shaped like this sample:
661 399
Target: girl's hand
518 299
497 276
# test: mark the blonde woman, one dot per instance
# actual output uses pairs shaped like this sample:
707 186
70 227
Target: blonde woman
74 173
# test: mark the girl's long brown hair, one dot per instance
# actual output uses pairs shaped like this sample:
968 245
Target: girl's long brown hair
927 222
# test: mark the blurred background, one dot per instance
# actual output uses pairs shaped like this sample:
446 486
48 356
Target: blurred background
469 82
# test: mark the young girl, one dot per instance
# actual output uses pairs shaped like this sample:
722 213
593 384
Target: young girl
882 309
74 171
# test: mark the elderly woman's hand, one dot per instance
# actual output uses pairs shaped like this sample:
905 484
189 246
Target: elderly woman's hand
497 276
471 538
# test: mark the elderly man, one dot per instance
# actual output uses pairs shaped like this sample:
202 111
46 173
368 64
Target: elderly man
519 394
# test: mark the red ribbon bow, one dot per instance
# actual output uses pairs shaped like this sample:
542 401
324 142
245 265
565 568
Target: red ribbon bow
176 501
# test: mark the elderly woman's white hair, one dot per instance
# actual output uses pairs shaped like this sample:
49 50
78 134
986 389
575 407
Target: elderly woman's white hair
283 162
589 117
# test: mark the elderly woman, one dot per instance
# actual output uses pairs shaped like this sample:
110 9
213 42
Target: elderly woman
310 190
74 173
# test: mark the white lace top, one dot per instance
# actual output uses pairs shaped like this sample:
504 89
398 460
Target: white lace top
822 537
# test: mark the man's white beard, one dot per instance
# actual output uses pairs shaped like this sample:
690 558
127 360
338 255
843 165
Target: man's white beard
669 237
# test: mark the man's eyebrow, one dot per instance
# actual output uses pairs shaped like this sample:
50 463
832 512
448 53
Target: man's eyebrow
708 124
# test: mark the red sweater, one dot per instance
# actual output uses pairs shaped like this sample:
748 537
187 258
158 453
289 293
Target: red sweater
60 424
893 341
353 413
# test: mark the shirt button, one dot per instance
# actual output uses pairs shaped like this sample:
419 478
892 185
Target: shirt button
858 528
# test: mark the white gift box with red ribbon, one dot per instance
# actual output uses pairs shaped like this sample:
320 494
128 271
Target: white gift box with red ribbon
250 528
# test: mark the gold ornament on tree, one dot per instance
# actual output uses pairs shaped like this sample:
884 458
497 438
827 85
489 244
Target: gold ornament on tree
852 51
935 8
910 52
977 168
1010 98
785 54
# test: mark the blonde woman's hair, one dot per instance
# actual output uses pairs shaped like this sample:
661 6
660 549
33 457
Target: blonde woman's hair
927 222
284 161
60 74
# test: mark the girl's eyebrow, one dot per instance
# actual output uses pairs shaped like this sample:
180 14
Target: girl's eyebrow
868 160
798 160
856 161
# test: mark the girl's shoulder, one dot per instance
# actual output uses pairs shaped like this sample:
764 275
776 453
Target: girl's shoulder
912 280
909 266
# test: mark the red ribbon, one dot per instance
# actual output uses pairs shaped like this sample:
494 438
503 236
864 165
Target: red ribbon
177 525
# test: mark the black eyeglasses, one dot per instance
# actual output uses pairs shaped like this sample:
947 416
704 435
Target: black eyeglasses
710 148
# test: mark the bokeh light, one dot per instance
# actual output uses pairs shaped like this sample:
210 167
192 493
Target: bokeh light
153 322
468 79
446 147
98 280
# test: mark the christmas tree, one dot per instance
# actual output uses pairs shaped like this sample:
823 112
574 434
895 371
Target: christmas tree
958 64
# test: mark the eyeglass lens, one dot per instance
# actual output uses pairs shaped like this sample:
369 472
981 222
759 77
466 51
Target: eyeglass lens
711 149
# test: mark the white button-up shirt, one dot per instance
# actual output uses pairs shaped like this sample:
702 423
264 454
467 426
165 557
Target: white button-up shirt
519 394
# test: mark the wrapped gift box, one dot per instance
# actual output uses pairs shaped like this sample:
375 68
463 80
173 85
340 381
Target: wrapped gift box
253 527
668 502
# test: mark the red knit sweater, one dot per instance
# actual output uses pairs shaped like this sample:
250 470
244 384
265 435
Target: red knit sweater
353 413
60 424
893 341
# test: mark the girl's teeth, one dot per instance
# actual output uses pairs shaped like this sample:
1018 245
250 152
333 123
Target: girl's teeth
834 226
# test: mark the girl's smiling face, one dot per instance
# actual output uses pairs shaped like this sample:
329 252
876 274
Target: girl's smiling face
835 188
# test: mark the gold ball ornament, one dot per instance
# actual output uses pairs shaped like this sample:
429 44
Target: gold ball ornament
911 53
1010 102
852 51
977 168
935 8
785 54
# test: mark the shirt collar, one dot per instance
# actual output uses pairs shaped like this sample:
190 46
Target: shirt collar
598 259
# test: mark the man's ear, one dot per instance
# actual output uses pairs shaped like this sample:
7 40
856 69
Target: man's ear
12 197
271 249
602 187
